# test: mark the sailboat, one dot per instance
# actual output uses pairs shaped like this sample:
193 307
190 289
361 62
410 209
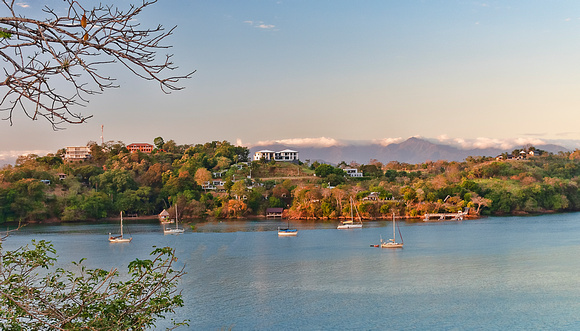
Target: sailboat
283 232
120 238
351 224
392 243
175 230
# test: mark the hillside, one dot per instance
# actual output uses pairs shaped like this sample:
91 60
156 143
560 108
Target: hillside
214 180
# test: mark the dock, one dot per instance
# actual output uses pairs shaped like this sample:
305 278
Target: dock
274 212
444 216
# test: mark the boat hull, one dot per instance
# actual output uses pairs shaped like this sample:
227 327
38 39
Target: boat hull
349 226
287 232
391 245
120 240
173 231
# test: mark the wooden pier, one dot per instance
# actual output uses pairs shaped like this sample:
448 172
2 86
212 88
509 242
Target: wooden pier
444 216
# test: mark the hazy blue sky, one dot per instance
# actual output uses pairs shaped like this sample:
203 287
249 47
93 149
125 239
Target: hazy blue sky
461 71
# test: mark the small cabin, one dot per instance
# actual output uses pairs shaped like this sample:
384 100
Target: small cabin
373 196
164 216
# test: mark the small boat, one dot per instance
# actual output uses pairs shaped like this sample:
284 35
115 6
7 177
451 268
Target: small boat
392 243
120 238
350 224
285 232
177 229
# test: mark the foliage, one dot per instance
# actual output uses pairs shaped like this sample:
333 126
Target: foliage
325 170
51 64
145 184
35 296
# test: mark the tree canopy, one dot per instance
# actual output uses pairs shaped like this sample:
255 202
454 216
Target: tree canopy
36 296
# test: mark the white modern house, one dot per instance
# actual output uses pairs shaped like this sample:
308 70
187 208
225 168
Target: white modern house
353 172
214 184
286 155
79 153
264 154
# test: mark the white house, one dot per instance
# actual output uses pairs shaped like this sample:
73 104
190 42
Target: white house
264 154
77 153
353 172
286 155
214 184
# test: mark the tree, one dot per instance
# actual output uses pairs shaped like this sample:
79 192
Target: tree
97 153
480 202
324 170
239 189
159 142
52 65
371 170
202 175
114 181
170 146
93 299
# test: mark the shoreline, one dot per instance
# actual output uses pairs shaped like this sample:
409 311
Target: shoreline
263 217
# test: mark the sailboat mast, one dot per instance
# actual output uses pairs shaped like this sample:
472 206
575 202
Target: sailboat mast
394 227
121 224
351 212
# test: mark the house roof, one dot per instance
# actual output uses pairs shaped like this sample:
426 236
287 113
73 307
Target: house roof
274 210
139 144
265 151
287 151
164 213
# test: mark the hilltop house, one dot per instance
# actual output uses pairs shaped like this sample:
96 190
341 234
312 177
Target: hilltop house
264 155
143 147
286 155
79 153
353 172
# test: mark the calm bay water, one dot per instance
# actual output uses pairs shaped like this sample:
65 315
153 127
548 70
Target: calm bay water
492 273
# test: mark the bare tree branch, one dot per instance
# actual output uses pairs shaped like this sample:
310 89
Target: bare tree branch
51 65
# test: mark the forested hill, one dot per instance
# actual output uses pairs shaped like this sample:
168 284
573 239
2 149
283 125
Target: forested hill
215 180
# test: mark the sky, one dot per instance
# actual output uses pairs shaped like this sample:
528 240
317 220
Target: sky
469 73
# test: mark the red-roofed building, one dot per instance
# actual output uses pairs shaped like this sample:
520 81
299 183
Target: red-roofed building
144 147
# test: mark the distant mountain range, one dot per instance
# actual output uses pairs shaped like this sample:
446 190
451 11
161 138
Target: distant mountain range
412 150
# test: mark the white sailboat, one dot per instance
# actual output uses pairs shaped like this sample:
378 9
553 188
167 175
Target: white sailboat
286 232
175 230
351 223
119 238
392 243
